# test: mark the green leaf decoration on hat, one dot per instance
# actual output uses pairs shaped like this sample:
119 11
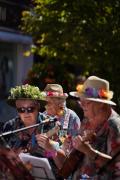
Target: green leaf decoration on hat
26 92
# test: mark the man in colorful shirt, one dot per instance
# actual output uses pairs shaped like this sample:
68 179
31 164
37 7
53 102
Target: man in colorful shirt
67 118
95 98
56 107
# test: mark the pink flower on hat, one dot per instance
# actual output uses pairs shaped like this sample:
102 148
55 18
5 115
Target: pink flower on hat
50 93
55 90
57 94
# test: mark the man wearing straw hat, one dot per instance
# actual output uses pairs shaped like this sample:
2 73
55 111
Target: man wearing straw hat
100 118
99 155
56 107
67 118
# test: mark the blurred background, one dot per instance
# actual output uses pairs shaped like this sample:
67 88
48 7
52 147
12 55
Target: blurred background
58 42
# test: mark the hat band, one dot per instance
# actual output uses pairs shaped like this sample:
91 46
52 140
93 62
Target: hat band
56 94
95 93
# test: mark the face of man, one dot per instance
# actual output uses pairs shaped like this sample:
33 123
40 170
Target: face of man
91 109
53 106
28 111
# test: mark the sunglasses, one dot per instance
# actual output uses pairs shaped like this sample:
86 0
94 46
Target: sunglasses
26 109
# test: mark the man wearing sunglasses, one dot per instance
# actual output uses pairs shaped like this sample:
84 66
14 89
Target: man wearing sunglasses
26 99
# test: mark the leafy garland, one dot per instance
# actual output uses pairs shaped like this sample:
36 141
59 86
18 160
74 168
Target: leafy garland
26 91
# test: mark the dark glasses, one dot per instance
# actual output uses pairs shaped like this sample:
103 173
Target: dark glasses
26 109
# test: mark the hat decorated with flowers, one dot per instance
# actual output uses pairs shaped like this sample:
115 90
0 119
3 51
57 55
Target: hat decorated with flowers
94 89
25 92
55 90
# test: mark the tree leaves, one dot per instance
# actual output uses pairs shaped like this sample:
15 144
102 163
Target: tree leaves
82 32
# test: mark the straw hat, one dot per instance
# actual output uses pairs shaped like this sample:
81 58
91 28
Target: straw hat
95 89
25 92
55 90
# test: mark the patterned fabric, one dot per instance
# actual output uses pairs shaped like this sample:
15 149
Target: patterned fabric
108 142
21 139
70 125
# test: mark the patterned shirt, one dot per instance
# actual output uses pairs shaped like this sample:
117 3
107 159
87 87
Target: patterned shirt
107 141
21 139
70 124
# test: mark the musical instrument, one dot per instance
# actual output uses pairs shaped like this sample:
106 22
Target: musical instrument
53 131
73 158
11 167
39 151
46 121
10 164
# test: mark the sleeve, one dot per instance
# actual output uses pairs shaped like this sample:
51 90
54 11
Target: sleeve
9 126
114 146
114 135
74 124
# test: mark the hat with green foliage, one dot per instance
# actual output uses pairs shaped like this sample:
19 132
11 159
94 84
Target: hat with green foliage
25 92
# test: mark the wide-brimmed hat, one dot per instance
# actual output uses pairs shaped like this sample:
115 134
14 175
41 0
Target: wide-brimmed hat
55 90
94 89
25 92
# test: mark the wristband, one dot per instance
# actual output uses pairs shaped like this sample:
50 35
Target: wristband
50 154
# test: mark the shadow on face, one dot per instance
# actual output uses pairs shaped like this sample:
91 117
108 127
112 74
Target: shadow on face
54 106
28 111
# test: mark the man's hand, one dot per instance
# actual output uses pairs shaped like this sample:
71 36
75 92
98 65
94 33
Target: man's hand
43 141
67 144
46 143
81 145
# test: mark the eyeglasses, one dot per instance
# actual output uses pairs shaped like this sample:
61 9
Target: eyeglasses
26 109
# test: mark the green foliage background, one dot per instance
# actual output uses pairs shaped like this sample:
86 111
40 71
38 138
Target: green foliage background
81 32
